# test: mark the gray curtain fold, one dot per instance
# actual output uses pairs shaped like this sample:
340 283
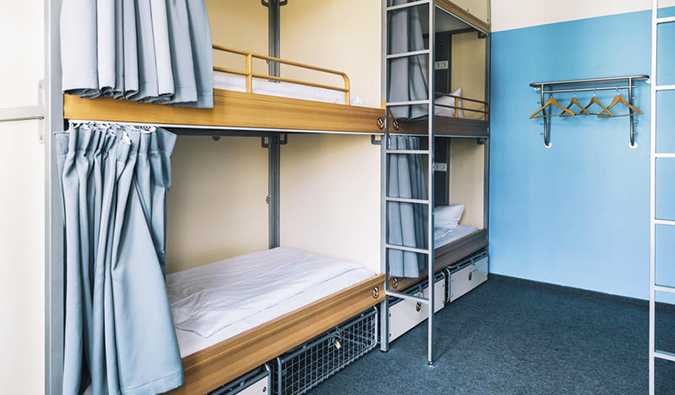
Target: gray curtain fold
407 76
407 225
119 333
154 51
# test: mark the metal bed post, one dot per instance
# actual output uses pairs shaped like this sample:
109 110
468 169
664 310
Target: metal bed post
54 237
431 190
384 305
274 146
428 250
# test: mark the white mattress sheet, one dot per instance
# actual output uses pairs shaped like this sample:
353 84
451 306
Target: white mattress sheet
237 83
217 301
448 235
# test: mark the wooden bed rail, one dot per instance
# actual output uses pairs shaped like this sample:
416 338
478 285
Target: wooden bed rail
249 74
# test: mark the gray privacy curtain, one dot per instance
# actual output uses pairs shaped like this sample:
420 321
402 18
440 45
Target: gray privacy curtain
407 225
407 76
119 333
156 51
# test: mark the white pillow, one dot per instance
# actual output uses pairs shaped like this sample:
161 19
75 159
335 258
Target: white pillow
450 101
448 216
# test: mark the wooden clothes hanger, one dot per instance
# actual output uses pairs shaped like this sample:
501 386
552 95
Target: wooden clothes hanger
573 102
619 99
595 100
550 102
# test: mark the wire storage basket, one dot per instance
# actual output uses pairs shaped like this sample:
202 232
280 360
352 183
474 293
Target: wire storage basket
309 364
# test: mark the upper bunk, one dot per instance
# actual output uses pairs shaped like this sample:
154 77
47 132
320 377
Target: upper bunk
245 99
307 95
461 55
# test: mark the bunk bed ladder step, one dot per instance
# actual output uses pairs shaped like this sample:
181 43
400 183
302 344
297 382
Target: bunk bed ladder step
654 244
426 53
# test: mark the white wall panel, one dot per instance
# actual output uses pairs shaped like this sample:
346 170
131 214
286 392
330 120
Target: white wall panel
516 14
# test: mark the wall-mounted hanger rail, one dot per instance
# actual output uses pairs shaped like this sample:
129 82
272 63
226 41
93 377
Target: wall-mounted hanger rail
586 85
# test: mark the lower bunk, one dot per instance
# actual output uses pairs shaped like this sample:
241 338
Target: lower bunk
235 315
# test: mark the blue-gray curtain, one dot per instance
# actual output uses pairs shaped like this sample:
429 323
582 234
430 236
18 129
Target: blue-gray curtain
407 76
156 51
407 225
119 333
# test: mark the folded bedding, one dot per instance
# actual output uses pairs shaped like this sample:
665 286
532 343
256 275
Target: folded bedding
214 302
282 89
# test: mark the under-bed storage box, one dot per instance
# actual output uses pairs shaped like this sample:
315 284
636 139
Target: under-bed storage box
407 314
303 368
255 382
466 275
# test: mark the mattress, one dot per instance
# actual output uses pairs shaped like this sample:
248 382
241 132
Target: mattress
237 83
448 235
215 302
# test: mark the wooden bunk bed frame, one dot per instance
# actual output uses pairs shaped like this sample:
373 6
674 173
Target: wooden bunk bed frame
221 363
214 366
242 110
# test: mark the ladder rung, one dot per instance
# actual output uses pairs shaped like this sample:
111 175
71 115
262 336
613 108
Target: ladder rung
663 288
665 19
401 295
664 222
664 155
404 248
408 5
664 87
407 200
664 355
408 103
408 152
408 54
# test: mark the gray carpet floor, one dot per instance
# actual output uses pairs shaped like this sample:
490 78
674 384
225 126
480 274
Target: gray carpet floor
511 336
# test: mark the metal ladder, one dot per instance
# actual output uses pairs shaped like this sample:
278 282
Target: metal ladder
387 152
654 221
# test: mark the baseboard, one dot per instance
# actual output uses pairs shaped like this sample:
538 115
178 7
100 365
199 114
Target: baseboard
580 292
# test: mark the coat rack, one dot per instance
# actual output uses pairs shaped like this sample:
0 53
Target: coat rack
592 84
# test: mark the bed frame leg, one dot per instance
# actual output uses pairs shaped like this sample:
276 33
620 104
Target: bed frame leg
384 325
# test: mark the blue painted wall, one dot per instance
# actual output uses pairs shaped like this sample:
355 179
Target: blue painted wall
576 214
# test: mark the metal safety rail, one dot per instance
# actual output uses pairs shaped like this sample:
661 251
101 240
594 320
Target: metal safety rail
429 152
653 220
250 75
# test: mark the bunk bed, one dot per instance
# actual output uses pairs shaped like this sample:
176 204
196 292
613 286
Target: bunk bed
254 105
455 116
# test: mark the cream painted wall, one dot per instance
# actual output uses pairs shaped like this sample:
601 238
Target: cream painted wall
467 161
240 25
515 14
468 70
342 35
217 205
22 203
330 197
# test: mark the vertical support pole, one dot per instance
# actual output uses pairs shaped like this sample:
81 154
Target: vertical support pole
430 181
486 152
273 34
652 204
631 117
547 135
54 237
274 174
384 306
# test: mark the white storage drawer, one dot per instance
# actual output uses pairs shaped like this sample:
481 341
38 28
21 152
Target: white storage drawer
467 276
406 314
255 382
